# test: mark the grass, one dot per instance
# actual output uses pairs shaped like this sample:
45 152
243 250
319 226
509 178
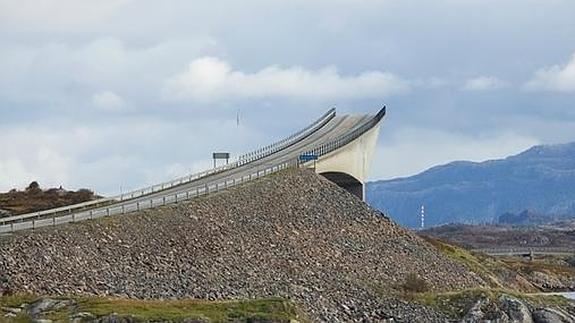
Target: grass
272 309
484 266
539 265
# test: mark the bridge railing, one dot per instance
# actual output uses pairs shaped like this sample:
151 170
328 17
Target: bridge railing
284 143
215 186
242 160
347 138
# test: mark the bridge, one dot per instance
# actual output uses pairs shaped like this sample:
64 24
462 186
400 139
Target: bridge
340 148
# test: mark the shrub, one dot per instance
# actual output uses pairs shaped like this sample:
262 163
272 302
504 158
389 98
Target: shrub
414 284
33 187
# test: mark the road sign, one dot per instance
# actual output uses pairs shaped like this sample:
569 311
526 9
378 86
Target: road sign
307 157
221 155
217 156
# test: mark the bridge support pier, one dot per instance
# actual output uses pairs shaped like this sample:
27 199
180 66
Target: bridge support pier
348 167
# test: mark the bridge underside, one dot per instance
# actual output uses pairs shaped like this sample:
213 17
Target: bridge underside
345 181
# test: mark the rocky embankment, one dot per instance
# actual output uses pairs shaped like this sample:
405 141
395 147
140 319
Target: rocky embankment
292 235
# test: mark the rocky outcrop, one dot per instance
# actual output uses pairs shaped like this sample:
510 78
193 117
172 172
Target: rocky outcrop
508 309
292 235
549 315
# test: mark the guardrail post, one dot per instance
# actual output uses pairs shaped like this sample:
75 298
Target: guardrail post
91 214
123 210
73 217
33 224
176 198
164 200
54 221
107 211
11 227
138 206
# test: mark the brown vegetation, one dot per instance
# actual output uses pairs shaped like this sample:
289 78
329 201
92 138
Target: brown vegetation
495 236
34 198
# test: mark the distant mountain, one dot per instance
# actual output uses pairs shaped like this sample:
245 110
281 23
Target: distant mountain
540 179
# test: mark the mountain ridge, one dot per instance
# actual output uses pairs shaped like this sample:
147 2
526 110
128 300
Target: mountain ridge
539 178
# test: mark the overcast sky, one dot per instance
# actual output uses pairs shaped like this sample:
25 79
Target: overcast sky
124 93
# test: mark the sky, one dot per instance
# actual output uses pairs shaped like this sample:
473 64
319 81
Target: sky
114 95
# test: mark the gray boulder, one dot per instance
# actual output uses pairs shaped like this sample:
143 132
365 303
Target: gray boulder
549 315
47 304
515 309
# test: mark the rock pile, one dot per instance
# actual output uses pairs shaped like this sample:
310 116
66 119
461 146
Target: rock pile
293 235
511 309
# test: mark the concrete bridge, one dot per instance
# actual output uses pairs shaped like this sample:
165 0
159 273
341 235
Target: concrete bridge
343 146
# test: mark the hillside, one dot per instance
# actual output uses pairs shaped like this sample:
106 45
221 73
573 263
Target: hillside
292 235
34 198
539 179
493 236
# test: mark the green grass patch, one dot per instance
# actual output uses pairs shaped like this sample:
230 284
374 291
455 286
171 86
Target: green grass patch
272 310
484 266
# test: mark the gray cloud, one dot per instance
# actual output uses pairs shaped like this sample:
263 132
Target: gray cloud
484 83
102 93
211 79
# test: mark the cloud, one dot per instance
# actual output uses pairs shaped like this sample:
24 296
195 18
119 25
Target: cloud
483 83
559 78
411 150
210 79
68 71
54 14
108 101
131 152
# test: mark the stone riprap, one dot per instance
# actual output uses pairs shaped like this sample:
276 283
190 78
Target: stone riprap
293 235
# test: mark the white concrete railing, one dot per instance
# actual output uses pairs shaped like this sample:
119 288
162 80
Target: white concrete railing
242 160
142 205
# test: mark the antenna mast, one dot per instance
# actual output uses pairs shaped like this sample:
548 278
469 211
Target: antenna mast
422 217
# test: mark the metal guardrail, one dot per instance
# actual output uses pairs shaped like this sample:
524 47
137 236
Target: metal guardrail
152 202
193 192
242 160
524 250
